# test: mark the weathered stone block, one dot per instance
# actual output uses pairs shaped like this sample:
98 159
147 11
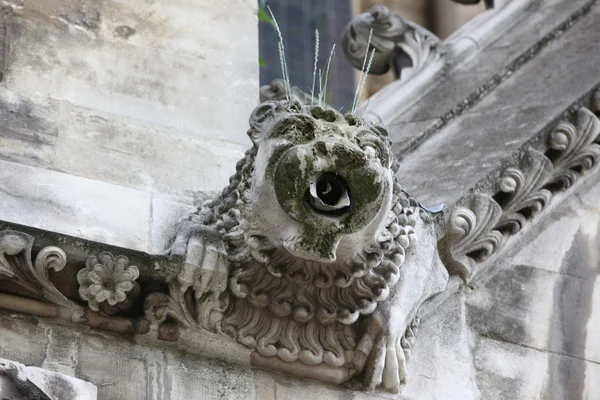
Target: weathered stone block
74 206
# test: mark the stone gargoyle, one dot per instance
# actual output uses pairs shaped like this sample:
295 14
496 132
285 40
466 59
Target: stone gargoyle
314 256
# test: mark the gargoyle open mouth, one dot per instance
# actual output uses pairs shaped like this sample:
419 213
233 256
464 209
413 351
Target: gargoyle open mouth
329 195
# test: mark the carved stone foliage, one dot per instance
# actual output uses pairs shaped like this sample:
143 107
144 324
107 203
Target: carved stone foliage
470 236
31 276
313 255
108 283
402 46
479 226
573 149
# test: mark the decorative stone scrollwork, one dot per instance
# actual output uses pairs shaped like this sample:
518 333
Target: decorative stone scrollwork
520 193
475 229
108 283
574 149
313 255
471 237
31 276
402 46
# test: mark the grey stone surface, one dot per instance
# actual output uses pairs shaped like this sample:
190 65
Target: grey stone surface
535 320
74 205
122 369
147 96
499 46
440 365
521 106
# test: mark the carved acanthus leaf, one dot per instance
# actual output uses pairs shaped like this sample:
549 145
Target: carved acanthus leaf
471 237
573 149
16 264
520 193
522 190
159 306
400 45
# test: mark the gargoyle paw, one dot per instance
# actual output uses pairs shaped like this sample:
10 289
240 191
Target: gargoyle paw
381 357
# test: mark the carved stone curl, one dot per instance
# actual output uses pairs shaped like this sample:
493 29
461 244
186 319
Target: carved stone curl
471 238
402 46
313 255
275 91
17 265
574 149
108 283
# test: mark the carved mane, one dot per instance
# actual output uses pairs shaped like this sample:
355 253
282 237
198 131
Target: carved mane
292 308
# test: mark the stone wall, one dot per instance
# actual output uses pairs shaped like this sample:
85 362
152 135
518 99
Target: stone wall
116 115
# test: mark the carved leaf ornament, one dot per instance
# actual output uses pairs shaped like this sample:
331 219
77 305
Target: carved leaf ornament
16 264
477 229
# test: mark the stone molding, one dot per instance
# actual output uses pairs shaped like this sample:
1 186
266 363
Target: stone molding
481 223
403 93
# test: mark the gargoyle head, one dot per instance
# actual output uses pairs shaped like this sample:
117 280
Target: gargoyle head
322 182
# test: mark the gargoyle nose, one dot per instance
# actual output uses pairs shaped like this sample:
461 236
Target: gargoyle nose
329 194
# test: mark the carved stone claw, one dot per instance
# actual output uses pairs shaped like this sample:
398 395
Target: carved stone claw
382 357
205 265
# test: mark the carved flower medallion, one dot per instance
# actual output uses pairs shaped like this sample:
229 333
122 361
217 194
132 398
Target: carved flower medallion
108 283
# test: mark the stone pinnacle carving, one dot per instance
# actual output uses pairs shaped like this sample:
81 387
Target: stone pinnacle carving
402 46
313 255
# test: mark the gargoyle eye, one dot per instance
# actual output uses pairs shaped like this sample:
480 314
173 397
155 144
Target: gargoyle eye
371 150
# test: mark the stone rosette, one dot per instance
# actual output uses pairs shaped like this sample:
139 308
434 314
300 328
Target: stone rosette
108 283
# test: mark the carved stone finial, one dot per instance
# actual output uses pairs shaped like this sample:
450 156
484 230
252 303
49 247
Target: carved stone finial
400 45
108 283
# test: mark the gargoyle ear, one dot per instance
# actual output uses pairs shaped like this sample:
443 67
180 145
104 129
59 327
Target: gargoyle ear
258 117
